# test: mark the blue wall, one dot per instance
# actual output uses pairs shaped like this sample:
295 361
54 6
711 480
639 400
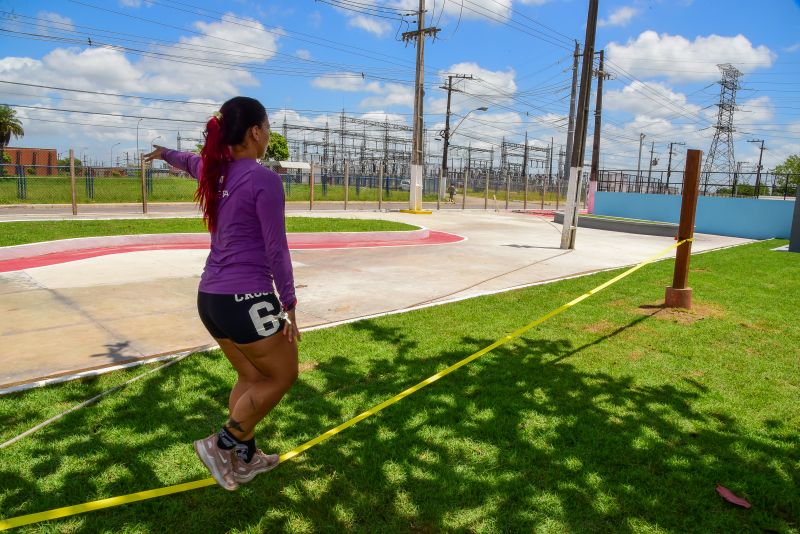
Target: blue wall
739 217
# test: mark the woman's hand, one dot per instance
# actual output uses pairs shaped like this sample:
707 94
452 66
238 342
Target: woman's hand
290 329
157 153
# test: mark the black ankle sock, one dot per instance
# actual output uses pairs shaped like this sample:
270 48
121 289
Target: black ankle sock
244 449
225 440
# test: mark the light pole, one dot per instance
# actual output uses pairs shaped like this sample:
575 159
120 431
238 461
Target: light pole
83 155
639 167
137 138
446 134
111 155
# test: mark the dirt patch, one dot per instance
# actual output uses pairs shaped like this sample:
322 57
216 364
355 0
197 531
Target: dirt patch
600 327
636 355
307 366
699 312
699 270
697 374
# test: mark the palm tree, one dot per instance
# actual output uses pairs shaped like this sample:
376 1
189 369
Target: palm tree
9 125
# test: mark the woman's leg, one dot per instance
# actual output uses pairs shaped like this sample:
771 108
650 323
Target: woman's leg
247 373
276 359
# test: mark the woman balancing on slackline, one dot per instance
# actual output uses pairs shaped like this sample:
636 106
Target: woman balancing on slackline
243 207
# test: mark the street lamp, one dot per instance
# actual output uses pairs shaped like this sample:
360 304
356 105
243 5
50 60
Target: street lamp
153 140
446 134
465 118
111 156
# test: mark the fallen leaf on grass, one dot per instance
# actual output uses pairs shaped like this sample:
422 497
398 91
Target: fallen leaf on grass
732 498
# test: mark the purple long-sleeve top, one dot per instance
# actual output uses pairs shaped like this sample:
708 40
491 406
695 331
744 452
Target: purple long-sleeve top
249 250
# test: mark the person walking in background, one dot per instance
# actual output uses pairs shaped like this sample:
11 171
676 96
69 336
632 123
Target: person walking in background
243 207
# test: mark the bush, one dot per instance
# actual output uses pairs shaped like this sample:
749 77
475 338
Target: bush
31 171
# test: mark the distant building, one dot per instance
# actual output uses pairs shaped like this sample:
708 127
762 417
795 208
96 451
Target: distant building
43 161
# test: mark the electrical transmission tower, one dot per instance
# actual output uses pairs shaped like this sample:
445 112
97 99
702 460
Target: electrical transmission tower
720 157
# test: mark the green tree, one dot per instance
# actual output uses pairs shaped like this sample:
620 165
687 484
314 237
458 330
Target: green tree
10 126
278 149
65 164
788 169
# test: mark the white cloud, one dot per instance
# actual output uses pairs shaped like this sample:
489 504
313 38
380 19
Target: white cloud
619 17
685 60
133 3
303 54
759 109
792 49
370 24
388 94
55 21
648 99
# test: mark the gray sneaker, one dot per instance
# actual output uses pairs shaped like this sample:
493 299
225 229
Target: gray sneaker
220 462
260 463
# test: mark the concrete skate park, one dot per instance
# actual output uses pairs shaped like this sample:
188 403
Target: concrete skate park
95 312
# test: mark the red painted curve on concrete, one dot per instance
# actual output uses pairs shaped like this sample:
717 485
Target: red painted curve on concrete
43 260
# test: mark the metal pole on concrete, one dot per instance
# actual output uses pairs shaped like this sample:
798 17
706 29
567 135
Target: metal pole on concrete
346 183
794 243
639 166
72 181
144 185
508 188
679 295
573 95
486 191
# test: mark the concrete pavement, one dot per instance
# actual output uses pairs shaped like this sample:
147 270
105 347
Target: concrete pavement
106 310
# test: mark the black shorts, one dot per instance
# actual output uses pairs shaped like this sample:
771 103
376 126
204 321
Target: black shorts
242 318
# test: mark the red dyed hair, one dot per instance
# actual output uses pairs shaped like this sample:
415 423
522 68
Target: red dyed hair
216 154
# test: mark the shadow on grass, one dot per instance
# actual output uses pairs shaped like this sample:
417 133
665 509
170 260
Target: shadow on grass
519 440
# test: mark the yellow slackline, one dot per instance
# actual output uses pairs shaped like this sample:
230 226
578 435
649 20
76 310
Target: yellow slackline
188 486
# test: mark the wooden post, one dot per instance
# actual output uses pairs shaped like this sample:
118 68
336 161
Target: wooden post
679 295
508 188
72 181
486 193
464 196
346 183
311 187
439 191
144 186
380 185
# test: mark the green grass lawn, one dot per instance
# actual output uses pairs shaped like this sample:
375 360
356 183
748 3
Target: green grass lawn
56 190
616 416
18 233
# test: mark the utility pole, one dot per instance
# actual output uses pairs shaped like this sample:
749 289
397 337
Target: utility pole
669 162
446 134
573 93
639 166
417 145
758 169
598 112
524 173
579 142
650 168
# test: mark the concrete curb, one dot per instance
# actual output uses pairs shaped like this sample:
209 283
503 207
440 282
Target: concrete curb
199 239
628 227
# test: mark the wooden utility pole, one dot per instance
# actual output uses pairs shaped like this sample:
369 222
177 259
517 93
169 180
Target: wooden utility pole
669 163
446 133
758 169
525 172
572 96
598 114
579 141
679 295
417 144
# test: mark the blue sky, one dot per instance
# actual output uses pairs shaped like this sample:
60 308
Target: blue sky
307 60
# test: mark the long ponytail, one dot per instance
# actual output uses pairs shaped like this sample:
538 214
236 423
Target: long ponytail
227 128
216 154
